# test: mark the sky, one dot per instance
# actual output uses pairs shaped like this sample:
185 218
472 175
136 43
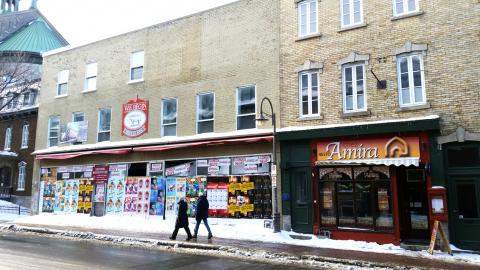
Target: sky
85 21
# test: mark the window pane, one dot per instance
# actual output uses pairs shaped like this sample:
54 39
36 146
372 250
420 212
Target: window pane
467 201
464 157
169 111
91 70
53 142
405 96
346 12
136 73
399 7
170 130
91 83
384 207
205 106
246 100
404 80
349 103
103 136
346 215
245 122
348 74
356 11
303 19
314 93
104 120
348 89
403 65
417 78
137 59
313 17
327 203
364 204
360 102
304 94
418 94
412 5
205 126
62 89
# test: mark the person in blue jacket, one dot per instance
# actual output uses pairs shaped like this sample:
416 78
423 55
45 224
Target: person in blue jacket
202 215
182 220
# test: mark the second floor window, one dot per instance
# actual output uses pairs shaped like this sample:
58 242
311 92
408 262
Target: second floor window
22 173
8 139
25 134
169 117
53 130
309 94
205 112
353 81
411 82
62 83
91 77
307 17
404 7
246 107
78 116
136 66
104 117
351 12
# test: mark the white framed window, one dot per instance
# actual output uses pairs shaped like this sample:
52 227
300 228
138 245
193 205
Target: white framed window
29 98
351 12
62 83
78 116
169 117
404 7
13 101
90 77
53 130
246 107
104 124
8 139
307 17
205 112
309 93
354 92
22 174
411 80
136 65
25 134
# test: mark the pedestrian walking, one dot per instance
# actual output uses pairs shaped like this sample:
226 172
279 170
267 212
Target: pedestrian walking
202 215
182 220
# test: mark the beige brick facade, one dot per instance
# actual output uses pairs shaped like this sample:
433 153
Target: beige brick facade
452 81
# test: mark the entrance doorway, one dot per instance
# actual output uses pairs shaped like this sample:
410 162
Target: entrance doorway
300 180
412 189
5 177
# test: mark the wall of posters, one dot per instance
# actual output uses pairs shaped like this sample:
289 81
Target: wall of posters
194 187
48 194
116 188
217 196
131 195
171 207
157 196
85 191
66 196
143 197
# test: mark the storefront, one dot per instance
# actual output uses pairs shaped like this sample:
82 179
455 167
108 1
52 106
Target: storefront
367 183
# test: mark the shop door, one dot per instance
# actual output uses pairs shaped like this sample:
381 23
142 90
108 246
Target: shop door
413 204
465 211
301 200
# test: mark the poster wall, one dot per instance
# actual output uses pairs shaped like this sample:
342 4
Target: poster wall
143 197
194 187
131 194
240 196
66 196
157 196
48 200
116 188
85 191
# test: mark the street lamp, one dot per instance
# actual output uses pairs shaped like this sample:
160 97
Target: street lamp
261 120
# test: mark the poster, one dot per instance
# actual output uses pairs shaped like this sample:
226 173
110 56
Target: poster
240 195
131 195
157 196
143 195
59 197
194 187
327 198
116 188
48 195
383 204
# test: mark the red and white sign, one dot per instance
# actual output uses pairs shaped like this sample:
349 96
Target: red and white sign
135 118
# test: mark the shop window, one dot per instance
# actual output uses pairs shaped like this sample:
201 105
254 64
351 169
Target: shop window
307 18
90 77
246 107
169 117
62 83
104 119
464 156
205 112
136 66
351 12
355 197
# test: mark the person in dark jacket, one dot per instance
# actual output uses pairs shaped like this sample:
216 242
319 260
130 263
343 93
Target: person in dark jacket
182 220
202 214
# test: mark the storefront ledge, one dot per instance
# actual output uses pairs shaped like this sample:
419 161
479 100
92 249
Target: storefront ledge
355 114
414 108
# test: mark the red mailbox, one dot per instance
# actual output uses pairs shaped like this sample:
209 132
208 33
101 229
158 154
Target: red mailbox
437 200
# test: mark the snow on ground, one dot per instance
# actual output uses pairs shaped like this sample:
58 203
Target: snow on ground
9 216
5 203
240 229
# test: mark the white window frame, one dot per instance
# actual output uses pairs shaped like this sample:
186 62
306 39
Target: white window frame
137 65
162 133
351 13
411 85
310 93
8 139
354 87
74 114
30 100
405 7
25 134
308 16
237 95
22 175
49 128
109 127
198 110
91 70
62 79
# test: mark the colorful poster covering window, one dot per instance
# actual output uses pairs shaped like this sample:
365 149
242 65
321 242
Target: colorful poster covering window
157 196
194 187
116 189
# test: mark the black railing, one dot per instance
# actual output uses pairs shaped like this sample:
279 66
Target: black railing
15 210
5 193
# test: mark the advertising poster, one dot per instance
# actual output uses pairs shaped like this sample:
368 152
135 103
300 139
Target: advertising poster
171 184
171 206
59 206
194 187
116 188
157 196
241 196
143 196
131 195
87 196
48 200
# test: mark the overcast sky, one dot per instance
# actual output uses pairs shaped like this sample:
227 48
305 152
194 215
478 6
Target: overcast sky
85 21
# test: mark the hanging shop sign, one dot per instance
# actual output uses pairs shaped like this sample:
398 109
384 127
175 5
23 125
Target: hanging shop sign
135 118
384 150
156 167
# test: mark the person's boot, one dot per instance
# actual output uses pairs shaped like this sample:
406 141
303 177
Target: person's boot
210 236
194 236
189 238
171 238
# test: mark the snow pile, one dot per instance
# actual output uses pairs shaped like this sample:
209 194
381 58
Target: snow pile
5 203
240 229
8 153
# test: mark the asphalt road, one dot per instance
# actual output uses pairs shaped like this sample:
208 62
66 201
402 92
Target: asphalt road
23 251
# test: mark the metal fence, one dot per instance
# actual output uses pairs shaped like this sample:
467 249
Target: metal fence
5 193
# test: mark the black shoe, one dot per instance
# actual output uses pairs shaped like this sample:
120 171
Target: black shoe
210 236
194 236
189 238
171 238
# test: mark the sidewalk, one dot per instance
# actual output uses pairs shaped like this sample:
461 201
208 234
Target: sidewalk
409 259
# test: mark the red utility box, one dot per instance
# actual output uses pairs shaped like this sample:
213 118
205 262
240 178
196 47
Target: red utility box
437 200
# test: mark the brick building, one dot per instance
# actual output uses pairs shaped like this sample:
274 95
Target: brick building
24 36
356 75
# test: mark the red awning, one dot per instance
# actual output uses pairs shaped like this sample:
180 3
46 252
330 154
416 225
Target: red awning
120 151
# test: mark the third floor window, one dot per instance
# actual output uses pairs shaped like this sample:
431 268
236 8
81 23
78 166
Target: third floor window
90 77
307 17
136 66
351 12
404 7
353 81
62 83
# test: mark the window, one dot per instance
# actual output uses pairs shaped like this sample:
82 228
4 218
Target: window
404 7
411 82
136 66
25 134
104 117
353 78
309 94
28 98
205 112
246 107
169 117
351 12
307 17
53 130
12 100
22 170
78 117
91 77
62 83
8 139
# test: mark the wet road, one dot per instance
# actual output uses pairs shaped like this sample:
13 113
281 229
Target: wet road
25 252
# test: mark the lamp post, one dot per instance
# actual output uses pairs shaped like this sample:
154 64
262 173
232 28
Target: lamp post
261 120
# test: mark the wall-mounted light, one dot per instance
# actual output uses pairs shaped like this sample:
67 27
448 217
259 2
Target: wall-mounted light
381 84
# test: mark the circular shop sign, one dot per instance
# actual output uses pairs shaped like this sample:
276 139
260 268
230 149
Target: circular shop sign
134 120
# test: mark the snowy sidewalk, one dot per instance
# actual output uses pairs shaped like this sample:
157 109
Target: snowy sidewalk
250 234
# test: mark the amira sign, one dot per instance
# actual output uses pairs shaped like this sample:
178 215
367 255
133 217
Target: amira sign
135 118
369 149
